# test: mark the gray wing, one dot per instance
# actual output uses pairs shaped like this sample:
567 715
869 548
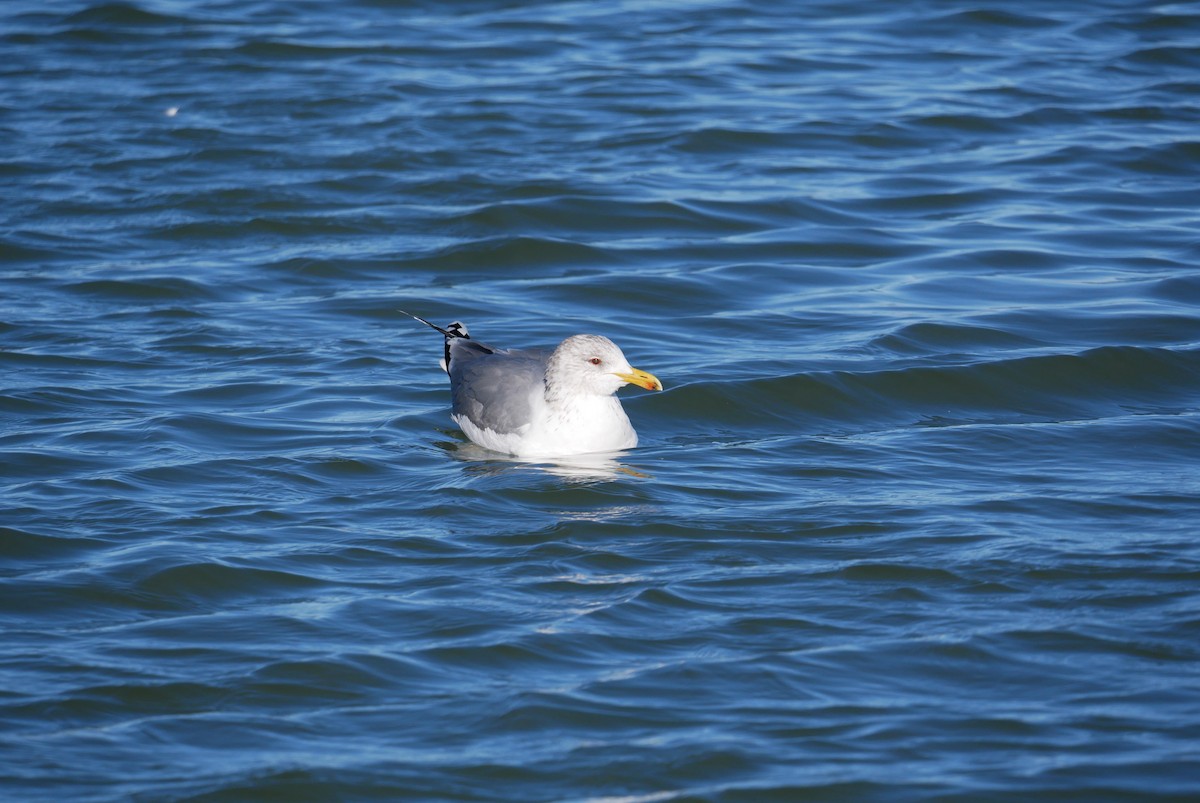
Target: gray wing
494 388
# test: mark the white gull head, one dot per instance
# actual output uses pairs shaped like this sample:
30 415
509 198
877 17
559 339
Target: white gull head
591 365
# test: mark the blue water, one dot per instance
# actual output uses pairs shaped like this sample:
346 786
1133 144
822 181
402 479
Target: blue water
915 519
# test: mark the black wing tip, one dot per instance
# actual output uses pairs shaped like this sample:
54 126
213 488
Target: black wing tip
456 329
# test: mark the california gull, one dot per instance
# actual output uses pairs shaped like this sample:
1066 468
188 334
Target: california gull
540 403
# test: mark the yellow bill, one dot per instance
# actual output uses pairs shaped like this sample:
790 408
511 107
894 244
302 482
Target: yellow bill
643 379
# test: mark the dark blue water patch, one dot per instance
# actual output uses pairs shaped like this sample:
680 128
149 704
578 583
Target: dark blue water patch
1169 24
12 250
245 393
559 216
206 585
1165 56
1138 329
1168 159
152 289
944 338
315 272
107 16
1178 290
32 547
46 463
494 254
1096 383
905 198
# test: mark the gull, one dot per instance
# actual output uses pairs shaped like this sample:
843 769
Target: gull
538 402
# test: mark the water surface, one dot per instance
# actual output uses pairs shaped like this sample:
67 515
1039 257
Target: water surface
914 520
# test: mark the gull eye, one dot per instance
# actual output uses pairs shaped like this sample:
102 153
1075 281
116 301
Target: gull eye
595 360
